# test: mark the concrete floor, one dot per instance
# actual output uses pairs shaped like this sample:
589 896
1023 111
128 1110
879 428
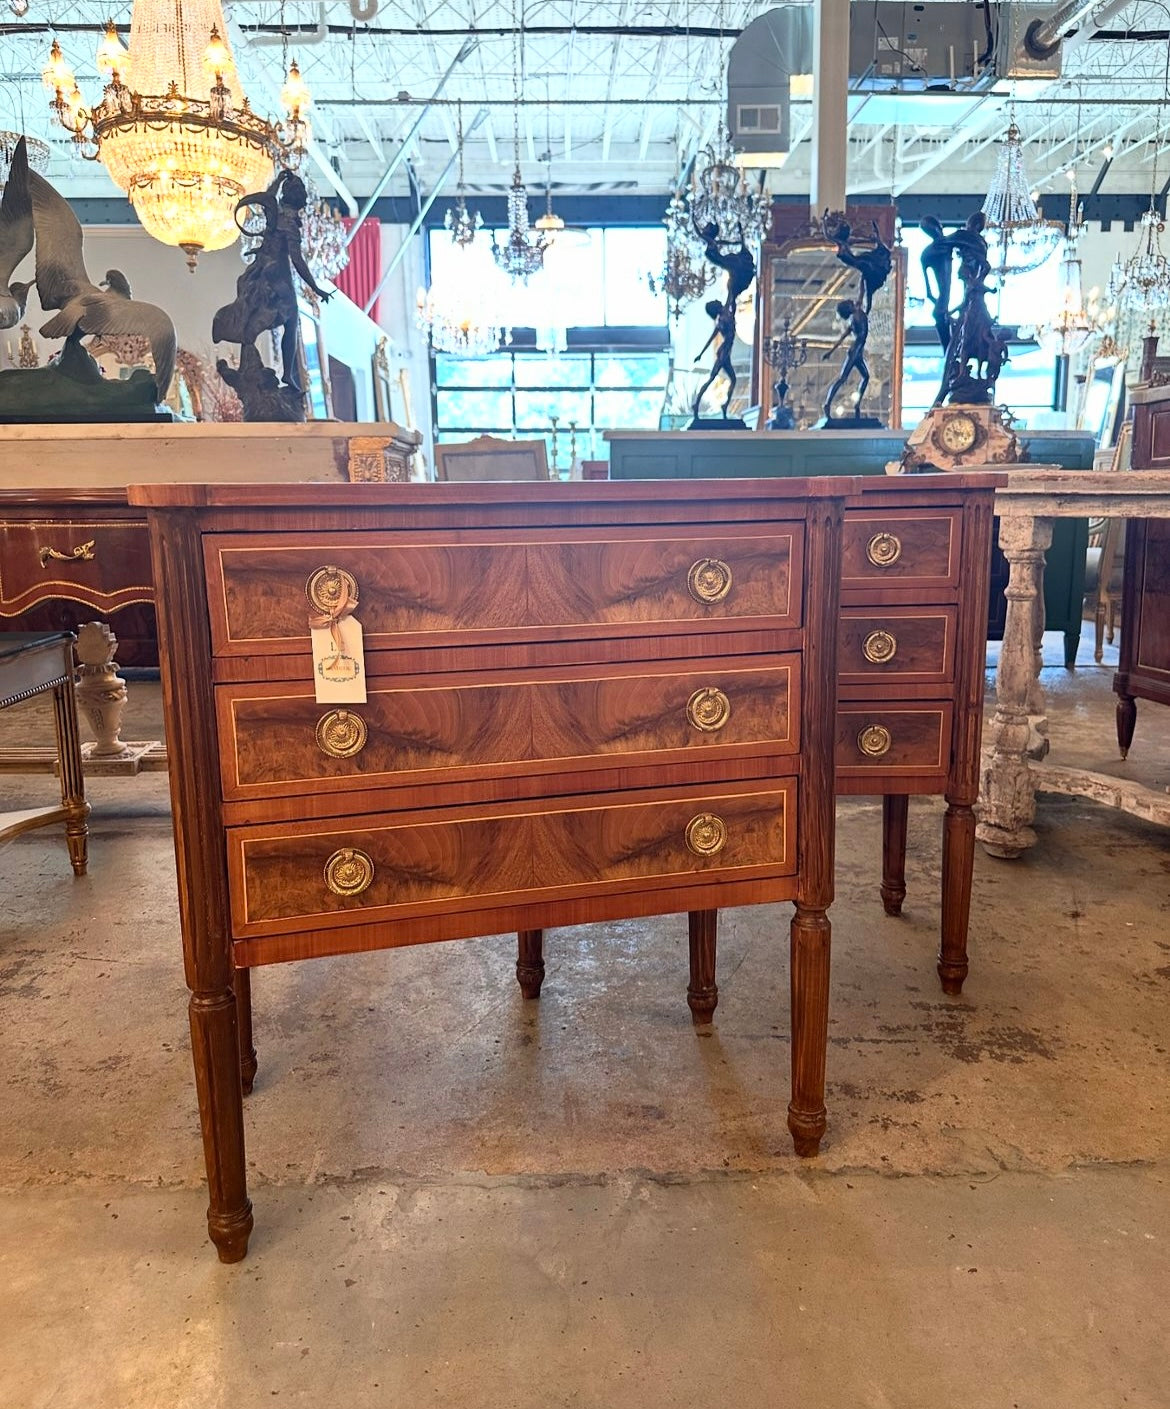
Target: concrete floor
463 1199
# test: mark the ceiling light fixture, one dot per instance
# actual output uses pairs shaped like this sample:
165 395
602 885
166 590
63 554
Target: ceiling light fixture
522 253
168 127
1019 239
686 274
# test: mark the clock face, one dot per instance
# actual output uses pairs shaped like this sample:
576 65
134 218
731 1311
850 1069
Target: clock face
958 434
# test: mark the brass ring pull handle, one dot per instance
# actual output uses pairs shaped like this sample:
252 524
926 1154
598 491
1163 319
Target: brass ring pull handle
883 550
341 733
879 647
708 709
83 553
706 834
348 871
709 580
874 740
332 592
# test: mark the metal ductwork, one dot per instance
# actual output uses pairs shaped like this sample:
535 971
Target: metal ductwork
773 50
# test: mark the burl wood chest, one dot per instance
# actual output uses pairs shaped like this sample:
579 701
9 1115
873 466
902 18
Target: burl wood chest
583 702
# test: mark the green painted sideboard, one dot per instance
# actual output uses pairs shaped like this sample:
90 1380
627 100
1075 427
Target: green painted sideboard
787 454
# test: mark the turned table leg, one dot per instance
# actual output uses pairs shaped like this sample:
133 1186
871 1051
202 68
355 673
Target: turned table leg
530 962
895 813
72 779
1126 722
810 937
702 991
957 863
1008 796
242 984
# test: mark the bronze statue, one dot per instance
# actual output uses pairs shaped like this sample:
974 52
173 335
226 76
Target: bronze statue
857 327
732 256
873 265
724 330
936 260
977 349
266 300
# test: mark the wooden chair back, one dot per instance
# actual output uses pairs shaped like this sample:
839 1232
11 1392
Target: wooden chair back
490 457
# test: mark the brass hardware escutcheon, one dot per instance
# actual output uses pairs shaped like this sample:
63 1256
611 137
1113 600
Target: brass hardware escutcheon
706 834
708 709
330 590
874 740
709 580
83 553
341 733
879 647
348 871
883 550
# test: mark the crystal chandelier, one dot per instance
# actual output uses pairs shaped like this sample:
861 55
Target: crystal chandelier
38 153
168 126
463 224
1142 283
1019 239
686 275
522 253
720 195
1074 321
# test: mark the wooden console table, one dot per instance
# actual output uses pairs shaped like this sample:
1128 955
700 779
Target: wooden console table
1018 734
585 702
71 548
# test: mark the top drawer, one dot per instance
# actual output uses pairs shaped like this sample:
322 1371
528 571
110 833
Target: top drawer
102 563
476 588
917 548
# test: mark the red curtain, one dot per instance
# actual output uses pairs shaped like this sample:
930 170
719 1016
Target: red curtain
359 278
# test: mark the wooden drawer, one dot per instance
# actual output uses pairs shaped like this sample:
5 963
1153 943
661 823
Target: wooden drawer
275 740
102 563
884 548
902 645
468 588
899 740
294 876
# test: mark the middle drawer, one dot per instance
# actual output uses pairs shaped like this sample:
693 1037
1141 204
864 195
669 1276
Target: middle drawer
275 740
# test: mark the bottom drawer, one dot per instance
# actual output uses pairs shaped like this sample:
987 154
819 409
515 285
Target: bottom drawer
305 876
893 740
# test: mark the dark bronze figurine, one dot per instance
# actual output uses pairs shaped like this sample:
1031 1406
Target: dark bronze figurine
873 265
857 327
724 331
266 300
733 257
976 349
936 260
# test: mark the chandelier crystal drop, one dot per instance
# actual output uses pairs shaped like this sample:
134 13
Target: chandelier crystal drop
720 195
173 127
463 224
457 311
686 275
38 153
1076 318
1019 239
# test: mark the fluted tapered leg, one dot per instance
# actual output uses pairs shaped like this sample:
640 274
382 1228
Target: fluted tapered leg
72 778
958 860
702 992
811 934
530 962
242 984
895 812
215 1049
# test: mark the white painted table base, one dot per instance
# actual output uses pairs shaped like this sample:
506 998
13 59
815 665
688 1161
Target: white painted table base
1017 737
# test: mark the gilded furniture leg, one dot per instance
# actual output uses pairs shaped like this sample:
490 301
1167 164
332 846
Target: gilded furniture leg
810 939
895 812
242 984
72 779
702 991
1008 796
530 962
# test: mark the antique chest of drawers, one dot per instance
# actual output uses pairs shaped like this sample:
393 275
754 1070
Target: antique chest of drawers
582 702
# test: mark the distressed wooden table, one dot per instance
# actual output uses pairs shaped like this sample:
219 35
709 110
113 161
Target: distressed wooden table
1017 739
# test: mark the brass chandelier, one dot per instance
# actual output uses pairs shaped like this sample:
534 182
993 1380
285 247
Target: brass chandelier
173 127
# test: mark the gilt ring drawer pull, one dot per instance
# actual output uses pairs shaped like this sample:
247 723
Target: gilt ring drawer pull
874 740
341 733
348 871
708 709
706 834
709 580
83 553
879 647
332 591
883 550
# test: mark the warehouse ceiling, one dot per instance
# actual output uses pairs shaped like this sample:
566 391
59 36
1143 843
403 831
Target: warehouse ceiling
616 94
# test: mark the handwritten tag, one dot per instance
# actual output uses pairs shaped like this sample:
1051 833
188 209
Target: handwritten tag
339 662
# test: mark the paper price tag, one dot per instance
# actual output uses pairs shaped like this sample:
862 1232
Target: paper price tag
339 662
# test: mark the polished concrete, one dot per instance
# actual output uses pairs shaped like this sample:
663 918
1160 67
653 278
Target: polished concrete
465 1199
